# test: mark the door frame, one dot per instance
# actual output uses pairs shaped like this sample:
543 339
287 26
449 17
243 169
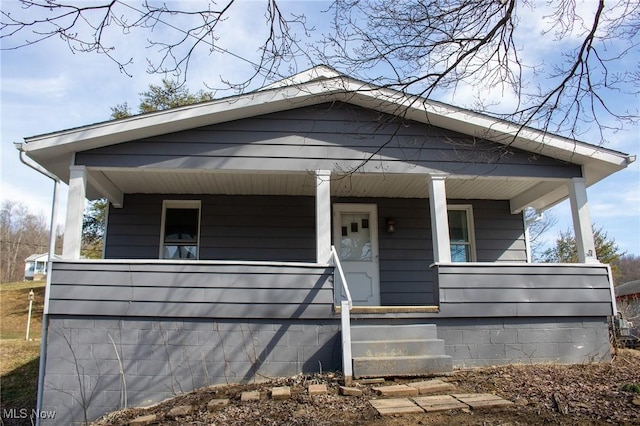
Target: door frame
360 208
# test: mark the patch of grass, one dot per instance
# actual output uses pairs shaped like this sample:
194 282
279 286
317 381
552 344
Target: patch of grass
21 285
14 307
19 359
19 373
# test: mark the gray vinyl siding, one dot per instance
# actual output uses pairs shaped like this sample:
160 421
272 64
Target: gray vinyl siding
174 289
214 290
499 234
533 290
329 136
274 228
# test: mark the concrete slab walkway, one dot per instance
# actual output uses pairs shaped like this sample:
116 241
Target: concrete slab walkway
444 399
434 403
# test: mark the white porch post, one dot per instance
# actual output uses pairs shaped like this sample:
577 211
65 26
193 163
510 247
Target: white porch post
323 216
582 221
439 219
75 209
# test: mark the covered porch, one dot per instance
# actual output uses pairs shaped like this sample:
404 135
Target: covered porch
400 223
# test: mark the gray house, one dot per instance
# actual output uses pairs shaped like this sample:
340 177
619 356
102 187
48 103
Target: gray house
320 223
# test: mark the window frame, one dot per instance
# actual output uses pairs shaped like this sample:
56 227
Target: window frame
468 208
180 204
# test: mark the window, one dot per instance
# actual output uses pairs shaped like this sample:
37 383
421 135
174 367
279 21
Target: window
180 230
461 233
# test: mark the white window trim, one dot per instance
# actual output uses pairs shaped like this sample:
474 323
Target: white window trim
470 226
180 204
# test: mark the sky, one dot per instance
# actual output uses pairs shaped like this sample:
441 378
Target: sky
46 87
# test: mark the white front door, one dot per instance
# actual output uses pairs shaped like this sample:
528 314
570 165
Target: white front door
355 235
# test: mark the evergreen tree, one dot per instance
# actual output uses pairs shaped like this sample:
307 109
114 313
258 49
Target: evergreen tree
159 97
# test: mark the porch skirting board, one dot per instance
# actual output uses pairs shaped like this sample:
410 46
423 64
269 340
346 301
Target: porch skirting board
94 362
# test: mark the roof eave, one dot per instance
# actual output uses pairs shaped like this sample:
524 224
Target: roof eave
55 149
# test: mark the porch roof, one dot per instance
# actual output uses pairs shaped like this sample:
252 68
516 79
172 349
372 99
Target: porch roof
320 85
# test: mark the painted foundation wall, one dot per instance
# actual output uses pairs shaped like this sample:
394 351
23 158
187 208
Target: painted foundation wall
163 358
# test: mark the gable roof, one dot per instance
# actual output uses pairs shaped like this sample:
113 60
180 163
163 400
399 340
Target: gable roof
44 257
628 289
318 85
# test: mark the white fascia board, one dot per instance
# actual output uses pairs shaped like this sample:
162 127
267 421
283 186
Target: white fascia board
187 117
487 127
316 73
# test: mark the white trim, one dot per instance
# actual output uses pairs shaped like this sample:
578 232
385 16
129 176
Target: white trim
180 204
527 237
106 227
196 262
582 224
323 216
99 181
520 264
319 72
345 328
614 301
75 210
439 219
468 208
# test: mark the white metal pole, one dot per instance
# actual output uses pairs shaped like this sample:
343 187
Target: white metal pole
31 295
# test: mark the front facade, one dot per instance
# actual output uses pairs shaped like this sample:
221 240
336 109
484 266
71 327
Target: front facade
248 237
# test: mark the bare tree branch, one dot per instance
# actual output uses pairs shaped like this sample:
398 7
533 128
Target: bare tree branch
429 47
422 47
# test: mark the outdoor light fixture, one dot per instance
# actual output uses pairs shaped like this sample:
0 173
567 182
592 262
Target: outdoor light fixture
391 226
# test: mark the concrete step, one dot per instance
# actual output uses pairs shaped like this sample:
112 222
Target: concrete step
393 332
374 348
422 365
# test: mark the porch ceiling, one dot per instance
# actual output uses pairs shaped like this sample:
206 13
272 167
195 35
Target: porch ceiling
354 185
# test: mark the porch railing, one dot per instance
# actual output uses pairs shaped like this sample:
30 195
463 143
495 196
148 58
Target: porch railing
345 319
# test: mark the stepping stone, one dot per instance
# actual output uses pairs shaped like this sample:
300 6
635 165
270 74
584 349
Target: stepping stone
434 403
282 392
180 411
371 381
481 400
390 407
250 396
433 386
396 390
318 389
143 420
350 391
217 404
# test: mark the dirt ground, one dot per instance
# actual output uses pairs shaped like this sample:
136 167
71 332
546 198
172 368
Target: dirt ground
584 394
